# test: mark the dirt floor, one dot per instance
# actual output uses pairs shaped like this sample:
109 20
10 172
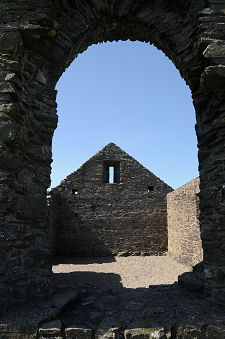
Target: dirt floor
119 272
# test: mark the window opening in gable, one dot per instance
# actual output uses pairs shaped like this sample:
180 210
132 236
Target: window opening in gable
111 172
75 191
150 188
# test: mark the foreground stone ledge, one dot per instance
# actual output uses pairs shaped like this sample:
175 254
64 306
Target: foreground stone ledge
145 333
109 328
8 331
75 332
49 329
190 331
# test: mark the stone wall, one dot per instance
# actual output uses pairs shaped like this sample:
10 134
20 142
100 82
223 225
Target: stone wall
52 202
126 217
184 242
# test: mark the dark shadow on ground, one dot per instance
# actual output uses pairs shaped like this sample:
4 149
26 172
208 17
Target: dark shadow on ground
113 306
101 280
81 260
77 301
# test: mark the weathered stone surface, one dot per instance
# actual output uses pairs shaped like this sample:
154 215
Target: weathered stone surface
94 217
51 328
149 327
9 40
8 331
216 330
216 52
193 281
109 328
196 331
184 242
213 77
75 332
145 333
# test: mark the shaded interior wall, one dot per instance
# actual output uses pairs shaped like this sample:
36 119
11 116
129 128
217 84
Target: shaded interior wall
110 218
52 203
184 242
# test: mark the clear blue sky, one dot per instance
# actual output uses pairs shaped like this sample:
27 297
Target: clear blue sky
131 94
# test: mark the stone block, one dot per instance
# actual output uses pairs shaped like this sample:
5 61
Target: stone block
192 281
51 329
195 331
145 333
76 332
216 330
9 40
216 52
213 77
10 331
109 328
149 327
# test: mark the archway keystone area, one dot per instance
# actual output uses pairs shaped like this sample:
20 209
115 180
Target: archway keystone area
38 41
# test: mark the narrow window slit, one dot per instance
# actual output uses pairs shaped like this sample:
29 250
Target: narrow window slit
111 174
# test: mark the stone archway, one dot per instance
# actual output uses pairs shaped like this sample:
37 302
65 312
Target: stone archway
38 40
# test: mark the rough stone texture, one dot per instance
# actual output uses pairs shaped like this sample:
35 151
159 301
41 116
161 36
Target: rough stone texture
184 241
38 40
97 218
52 217
50 329
193 281
75 332
9 331
109 328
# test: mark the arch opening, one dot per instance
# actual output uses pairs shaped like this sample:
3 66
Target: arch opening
74 234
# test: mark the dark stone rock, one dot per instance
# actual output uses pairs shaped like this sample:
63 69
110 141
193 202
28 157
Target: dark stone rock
199 267
9 40
50 329
192 281
216 330
191 331
109 328
18 332
145 333
74 332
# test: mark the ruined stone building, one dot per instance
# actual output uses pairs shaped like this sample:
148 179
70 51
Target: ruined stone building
111 205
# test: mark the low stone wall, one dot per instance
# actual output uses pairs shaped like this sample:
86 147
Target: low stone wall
184 242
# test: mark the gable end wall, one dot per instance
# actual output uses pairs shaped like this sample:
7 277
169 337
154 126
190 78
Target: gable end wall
111 219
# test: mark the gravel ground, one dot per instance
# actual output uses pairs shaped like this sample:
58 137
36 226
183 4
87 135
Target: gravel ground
118 272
